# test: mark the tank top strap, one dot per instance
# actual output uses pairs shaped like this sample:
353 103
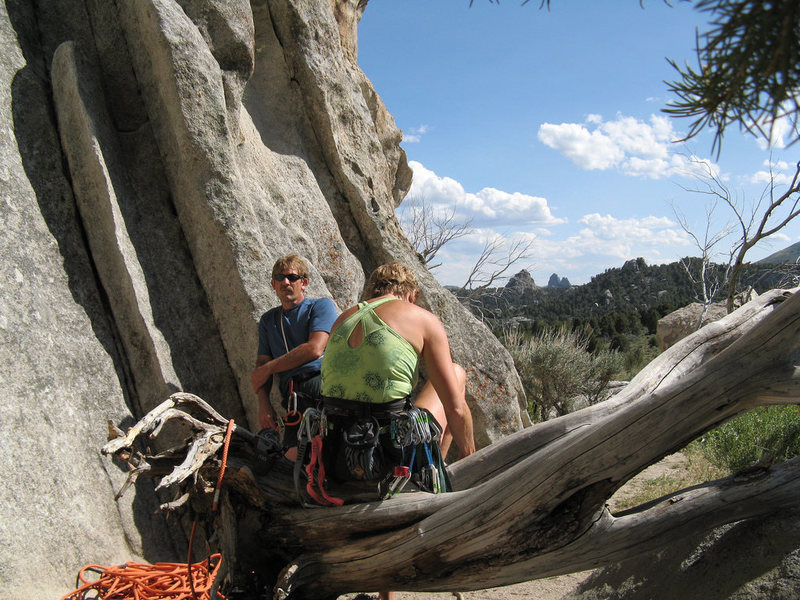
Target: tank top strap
376 303
364 308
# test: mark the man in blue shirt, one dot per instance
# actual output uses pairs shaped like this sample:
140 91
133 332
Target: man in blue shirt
291 339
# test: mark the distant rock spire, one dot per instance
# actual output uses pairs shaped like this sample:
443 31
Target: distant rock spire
554 281
520 283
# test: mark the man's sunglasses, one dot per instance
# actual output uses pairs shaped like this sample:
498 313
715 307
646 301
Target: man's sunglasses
290 276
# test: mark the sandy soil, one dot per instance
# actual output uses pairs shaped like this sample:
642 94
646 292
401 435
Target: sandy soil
552 588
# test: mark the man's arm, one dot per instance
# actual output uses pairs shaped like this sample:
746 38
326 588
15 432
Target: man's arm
267 419
296 357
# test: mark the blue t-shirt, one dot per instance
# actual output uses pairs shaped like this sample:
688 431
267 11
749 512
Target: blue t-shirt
312 314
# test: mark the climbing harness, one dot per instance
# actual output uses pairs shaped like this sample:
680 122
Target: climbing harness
392 444
163 580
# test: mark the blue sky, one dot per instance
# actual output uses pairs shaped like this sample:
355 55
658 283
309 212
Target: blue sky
548 126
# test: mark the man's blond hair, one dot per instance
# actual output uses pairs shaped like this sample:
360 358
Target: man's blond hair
393 278
291 261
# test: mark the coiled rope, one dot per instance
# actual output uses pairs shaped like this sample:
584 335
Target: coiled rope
163 580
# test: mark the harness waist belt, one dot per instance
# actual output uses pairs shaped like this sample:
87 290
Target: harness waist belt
300 377
351 408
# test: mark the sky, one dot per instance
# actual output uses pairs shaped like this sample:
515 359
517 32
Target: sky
548 126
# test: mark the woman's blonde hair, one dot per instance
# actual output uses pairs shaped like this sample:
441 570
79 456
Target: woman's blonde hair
393 278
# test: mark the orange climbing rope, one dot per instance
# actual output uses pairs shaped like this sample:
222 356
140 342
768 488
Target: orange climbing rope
225 446
161 581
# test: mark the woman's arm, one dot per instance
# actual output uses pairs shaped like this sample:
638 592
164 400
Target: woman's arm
442 374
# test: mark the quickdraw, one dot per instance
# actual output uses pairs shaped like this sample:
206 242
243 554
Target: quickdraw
312 426
414 428
290 422
401 475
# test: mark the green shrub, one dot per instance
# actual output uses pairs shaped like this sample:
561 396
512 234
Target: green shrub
620 342
763 435
555 368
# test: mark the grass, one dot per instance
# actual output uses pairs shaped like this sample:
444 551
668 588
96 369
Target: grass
764 435
695 470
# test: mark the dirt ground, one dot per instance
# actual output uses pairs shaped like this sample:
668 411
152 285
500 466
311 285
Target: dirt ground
551 588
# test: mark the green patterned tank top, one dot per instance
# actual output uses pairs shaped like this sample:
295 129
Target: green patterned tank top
382 368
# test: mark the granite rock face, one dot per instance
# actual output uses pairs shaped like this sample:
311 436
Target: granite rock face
678 324
157 157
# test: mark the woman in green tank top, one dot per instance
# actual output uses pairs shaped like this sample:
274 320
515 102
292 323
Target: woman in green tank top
382 368
375 348
373 354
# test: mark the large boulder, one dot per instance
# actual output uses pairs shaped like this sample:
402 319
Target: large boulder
157 157
678 324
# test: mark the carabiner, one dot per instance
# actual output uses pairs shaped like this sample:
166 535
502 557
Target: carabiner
292 416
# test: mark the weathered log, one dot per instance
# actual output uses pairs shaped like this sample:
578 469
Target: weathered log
534 504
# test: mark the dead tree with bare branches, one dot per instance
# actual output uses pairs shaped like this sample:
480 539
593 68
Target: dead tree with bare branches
532 505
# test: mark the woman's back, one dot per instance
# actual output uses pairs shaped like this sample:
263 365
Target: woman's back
367 359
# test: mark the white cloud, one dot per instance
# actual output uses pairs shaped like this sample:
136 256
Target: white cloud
588 150
414 135
632 146
599 240
605 240
622 239
781 237
602 240
487 204
429 185
774 171
608 231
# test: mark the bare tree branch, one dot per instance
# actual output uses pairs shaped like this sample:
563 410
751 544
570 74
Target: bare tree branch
708 285
430 227
773 211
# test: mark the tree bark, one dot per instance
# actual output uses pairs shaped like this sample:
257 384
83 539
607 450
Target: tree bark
534 504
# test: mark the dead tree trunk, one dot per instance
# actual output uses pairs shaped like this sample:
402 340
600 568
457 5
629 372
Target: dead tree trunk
530 506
